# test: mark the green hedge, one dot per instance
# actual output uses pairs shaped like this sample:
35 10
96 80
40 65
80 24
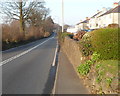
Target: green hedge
102 41
63 35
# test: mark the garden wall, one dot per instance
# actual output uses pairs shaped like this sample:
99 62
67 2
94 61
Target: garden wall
71 49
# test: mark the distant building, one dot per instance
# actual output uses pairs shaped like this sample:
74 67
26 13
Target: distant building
102 18
93 22
73 30
83 24
99 20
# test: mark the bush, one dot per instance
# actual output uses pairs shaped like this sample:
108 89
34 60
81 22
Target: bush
102 41
47 34
105 42
11 36
79 35
85 45
63 35
83 69
113 25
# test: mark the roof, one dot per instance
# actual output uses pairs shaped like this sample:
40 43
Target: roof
96 14
85 21
113 10
116 3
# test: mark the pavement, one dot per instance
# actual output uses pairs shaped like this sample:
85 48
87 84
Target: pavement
32 72
67 80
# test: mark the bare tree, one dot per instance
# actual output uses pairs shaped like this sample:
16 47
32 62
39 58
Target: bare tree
20 11
49 24
38 16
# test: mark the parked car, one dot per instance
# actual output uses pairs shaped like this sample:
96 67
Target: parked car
90 30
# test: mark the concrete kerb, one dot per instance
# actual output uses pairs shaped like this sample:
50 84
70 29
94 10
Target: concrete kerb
57 67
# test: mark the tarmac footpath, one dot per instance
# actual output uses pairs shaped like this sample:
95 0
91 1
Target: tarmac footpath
67 81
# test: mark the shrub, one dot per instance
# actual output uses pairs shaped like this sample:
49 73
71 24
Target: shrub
85 45
79 35
109 81
113 25
95 57
46 34
83 69
103 41
11 36
63 35
107 71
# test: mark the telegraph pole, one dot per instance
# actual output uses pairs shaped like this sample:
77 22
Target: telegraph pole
62 16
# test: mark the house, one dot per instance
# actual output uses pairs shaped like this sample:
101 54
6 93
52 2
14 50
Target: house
83 24
100 19
110 17
94 20
105 17
72 30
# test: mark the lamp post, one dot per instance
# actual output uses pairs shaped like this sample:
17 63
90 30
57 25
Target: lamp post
62 16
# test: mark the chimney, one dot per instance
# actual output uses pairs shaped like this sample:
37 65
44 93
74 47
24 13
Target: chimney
98 11
87 18
104 9
81 20
115 4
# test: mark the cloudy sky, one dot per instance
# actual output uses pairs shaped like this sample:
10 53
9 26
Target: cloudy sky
76 10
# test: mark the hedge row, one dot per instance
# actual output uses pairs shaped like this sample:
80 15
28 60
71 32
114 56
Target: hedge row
103 41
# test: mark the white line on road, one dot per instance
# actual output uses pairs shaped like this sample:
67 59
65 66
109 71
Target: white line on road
53 64
55 82
23 53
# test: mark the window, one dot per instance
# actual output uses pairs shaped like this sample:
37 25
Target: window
96 25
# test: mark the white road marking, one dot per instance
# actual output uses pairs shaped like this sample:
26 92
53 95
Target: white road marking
53 64
23 53
55 82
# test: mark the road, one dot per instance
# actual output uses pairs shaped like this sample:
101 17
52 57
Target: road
30 72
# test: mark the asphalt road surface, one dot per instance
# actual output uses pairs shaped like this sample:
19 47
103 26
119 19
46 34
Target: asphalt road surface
28 69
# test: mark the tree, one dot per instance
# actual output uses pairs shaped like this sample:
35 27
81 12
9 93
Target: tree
20 11
38 17
49 24
66 26
57 27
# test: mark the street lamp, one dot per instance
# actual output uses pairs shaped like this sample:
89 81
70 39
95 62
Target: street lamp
62 16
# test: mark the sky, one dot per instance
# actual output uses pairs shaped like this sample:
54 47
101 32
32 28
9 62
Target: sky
76 10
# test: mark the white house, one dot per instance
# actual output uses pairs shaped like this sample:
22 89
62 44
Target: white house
100 20
93 22
83 24
105 17
110 17
73 30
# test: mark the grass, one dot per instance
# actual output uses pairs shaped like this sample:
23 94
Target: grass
62 35
110 66
107 71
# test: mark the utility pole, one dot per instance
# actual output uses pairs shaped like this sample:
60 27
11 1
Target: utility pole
62 16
